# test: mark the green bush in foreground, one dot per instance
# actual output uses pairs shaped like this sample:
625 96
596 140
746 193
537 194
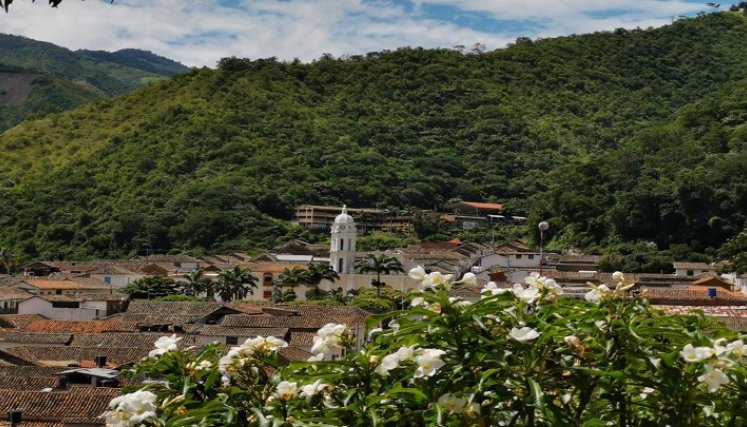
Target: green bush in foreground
521 356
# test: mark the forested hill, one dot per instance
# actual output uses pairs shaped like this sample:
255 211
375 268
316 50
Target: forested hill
38 77
624 136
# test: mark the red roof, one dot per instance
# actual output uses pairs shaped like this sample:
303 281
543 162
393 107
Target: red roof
480 205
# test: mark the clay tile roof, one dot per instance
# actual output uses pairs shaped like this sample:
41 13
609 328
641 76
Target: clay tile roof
694 297
125 340
91 326
294 354
27 383
65 356
82 297
29 371
66 284
692 266
34 338
222 331
79 405
33 424
265 321
302 339
245 307
13 292
19 320
197 309
481 205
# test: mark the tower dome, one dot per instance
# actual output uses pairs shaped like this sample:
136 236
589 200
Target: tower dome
342 243
343 221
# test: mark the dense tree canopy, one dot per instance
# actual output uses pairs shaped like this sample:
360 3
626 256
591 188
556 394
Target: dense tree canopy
624 136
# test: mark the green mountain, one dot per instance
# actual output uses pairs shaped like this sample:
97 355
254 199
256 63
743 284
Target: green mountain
39 78
624 136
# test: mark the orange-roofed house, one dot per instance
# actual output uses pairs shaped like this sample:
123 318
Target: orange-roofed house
65 286
470 215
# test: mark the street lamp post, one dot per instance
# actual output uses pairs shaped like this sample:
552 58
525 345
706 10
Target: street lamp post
543 226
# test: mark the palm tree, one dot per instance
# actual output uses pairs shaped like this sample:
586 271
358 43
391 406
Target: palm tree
294 276
235 283
380 264
197 284
318 272
280 295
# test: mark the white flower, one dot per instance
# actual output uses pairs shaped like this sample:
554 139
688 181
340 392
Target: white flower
310 390
618 276
492 289
714 377
286 390
595 295
165 345
417 302
373 332
452 403
429 362
262 344
469 279
572 340
204 365
528 295
131 409
646 392
736 348
524 334
459 302
389 362
316 358
329 336
696 354
417 273
435 279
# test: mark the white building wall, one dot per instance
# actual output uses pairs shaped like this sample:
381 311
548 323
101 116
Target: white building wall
118 280
89 310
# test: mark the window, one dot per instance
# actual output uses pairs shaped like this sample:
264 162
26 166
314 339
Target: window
267 295
530 256
342 244
339 268
58 292
518 256
232 340
65 304
689 272
108 280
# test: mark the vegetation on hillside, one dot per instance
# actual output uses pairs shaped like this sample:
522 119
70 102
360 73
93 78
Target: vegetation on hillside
616 137
73 78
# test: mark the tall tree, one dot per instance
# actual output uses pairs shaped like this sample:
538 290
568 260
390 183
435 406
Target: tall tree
318 272
236 283
198 283
380 264
150 287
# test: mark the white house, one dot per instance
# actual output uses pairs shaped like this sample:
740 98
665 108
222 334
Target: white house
692 269
73 307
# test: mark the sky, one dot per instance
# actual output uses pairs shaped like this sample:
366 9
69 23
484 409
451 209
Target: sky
200 32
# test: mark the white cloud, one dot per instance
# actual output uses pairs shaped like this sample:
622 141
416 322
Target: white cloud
200 33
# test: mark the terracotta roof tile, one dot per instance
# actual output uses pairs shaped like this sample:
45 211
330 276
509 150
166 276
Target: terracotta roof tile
19 320
92 326
221 331
64 356
302 339
34 338
294 354
125 340
67 284
83 405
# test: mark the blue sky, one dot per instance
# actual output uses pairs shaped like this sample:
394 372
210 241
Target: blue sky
201 32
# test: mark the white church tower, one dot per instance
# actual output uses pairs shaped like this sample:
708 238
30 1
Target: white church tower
342 247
